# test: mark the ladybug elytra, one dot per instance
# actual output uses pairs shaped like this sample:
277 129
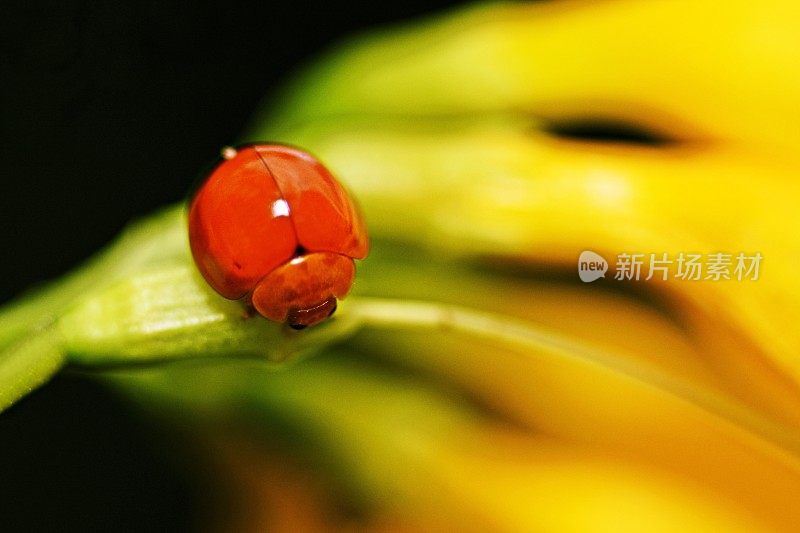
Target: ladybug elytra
272 224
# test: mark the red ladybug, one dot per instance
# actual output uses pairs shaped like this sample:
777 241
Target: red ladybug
273 225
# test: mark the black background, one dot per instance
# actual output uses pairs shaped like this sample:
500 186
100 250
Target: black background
108 112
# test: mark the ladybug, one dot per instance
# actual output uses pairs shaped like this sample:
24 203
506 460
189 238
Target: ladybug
270 224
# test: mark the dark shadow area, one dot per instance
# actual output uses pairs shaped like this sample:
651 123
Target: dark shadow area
75 458
606 130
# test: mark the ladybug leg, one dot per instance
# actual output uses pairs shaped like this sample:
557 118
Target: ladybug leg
249 311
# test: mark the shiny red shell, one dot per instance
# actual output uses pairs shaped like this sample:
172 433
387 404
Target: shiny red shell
272 224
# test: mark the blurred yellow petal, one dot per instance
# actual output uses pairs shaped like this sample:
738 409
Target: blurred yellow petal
689 70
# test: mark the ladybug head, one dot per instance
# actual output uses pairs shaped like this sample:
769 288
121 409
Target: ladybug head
303 291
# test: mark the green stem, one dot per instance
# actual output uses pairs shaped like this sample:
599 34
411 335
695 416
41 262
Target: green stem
32 347
29 363
155 238
170 313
